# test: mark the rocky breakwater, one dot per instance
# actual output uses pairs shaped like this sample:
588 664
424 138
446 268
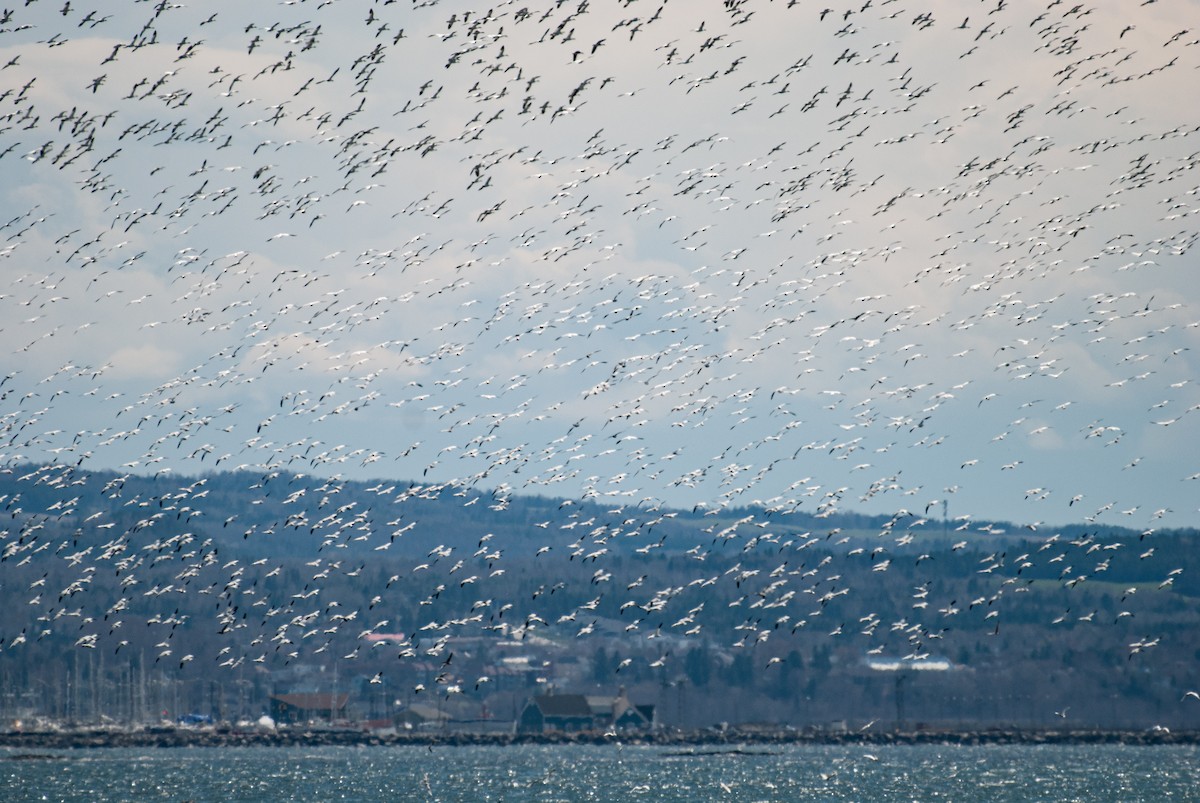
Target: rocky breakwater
22 743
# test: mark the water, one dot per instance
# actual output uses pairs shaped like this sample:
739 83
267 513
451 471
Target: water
607 773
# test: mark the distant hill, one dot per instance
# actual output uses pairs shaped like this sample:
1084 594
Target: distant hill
114 578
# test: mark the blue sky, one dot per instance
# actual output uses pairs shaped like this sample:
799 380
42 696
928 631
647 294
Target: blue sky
869 261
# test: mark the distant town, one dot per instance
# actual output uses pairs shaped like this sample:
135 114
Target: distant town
428 636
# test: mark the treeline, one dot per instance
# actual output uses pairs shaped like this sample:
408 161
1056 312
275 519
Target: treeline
132 595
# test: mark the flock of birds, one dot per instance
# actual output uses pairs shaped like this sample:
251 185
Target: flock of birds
765 255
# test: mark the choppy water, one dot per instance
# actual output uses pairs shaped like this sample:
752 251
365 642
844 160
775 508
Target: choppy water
607 773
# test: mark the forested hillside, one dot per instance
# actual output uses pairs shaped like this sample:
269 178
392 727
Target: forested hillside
212 592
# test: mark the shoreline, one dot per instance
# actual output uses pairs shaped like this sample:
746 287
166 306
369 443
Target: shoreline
712 742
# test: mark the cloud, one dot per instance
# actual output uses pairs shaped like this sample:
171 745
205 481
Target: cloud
147 361
685 232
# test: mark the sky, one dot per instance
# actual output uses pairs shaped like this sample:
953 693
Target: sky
812 256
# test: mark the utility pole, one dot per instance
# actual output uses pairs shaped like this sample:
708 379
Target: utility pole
333 696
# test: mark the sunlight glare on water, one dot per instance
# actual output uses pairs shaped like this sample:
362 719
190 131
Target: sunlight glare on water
609 773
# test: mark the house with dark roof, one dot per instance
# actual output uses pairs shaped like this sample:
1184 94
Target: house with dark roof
556 712
306 707
578 712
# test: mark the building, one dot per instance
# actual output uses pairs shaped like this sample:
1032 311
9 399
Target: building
556 712
308 707
578 712
420 716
